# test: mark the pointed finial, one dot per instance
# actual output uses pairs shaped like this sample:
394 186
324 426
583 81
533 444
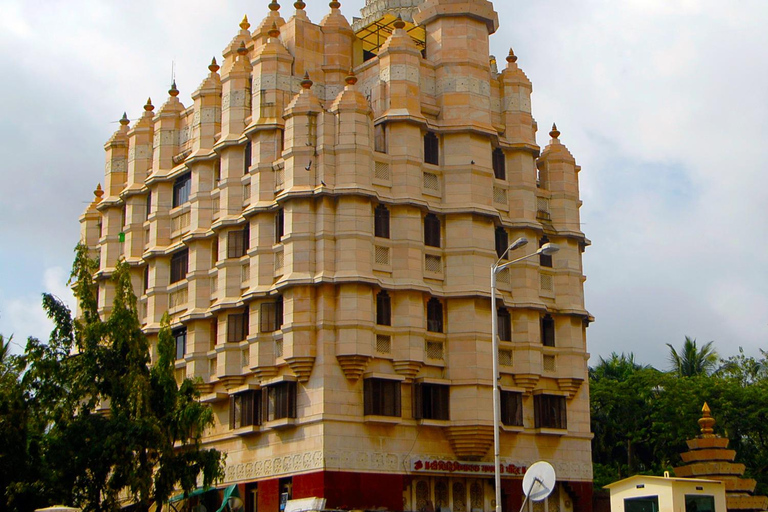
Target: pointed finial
214 66
274 6
299 5
306 83
244 24
351 79
399 23
706 422
124 120
555 133
274 32
173 91
98 192
242 50
335 4
149 107
511 58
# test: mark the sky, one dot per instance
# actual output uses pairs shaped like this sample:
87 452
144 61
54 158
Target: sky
664 104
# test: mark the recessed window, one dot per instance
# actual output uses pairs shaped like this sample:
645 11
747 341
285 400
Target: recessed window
548 331
281 401
279 225
179 265
431 230
383 309
431 149
216 172
512 408
382 397
214 332
237 326
145 284
699 503
499 164
381 221
149 205
181 189
180 339
549 411
504 324
271 315
642 504
245 409
431 401
247 158
434 315
380 138
238 242
502 241
545 260
214 250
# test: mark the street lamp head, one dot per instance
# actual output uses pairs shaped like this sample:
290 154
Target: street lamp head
520 242
548 248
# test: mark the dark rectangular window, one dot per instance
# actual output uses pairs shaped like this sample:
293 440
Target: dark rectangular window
182 187
434 315
279 225
280 401
179 265
549 411
383 309
512 408
545 260
145 285
245 409
431 149
381 221
271 316
180 339
699 503
247 158
149 205
238 242
237 326
504 324
380 138
382 397
214 251
431 401
642 504
431 230
548 331
216 172
499 164
502 241
214 332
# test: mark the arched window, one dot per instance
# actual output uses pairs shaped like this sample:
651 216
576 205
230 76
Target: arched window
434 315
504 324
431 149
548 331
502 241
499 164
383 308
431 230
381 221
545 260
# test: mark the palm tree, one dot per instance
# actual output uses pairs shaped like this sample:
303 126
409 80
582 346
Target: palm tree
617 367
693 361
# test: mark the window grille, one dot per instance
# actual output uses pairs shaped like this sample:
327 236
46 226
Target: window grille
549 363
505 357
433 264
434 350
381 255
431 181
499 195
547 283
279 348
381 171
383 344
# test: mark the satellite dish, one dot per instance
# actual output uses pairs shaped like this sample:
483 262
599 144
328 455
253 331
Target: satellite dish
538 482
235 504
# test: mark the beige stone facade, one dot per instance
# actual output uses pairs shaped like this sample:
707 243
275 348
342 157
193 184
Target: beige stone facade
320 223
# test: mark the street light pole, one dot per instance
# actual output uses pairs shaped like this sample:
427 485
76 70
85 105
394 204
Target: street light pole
546 249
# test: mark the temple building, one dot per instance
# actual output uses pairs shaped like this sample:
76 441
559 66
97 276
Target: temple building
709 457
320 222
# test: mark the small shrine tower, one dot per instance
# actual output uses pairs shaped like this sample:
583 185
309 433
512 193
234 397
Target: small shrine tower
710 458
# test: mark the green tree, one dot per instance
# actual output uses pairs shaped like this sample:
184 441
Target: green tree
107 419
693 361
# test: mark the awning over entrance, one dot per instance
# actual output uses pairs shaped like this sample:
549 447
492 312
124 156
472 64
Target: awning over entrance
376 34
196 492
229 492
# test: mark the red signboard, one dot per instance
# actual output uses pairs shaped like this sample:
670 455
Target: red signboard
463 468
